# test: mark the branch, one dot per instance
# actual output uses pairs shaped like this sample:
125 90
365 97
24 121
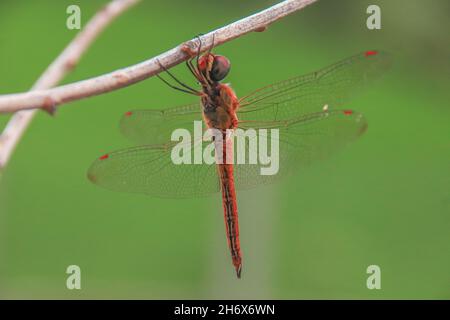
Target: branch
49 99
63 64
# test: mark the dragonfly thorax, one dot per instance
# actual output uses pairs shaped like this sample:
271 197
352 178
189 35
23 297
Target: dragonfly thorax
219 107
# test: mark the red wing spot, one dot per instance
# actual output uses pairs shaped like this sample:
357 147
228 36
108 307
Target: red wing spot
371 53
129 113
348 112
105 156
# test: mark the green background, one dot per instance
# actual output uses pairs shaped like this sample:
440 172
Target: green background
384 200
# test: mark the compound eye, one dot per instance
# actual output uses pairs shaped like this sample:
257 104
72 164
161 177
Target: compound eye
220 68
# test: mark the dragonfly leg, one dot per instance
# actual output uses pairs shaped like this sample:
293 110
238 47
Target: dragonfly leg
212 44
192 69
175 87
189 89
203 79
199 50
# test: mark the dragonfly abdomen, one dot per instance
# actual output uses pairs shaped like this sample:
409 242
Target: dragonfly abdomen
231 214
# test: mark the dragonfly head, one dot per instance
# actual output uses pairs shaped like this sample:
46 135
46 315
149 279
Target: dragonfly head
214 67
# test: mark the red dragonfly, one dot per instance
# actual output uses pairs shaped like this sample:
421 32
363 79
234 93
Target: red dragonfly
305 109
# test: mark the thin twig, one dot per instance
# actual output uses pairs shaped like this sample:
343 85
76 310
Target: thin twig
63 64
50 98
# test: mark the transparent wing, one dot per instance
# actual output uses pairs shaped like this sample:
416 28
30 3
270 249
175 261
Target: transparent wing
156 126
302 108
150 170
302 141
330 87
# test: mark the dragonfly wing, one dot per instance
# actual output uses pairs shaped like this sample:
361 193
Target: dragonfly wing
330 87
300 108
156 126
150 170
302 141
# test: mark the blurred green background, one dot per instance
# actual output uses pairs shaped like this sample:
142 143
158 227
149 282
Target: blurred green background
384 200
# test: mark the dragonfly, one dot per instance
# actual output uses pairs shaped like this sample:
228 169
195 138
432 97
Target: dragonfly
308 111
